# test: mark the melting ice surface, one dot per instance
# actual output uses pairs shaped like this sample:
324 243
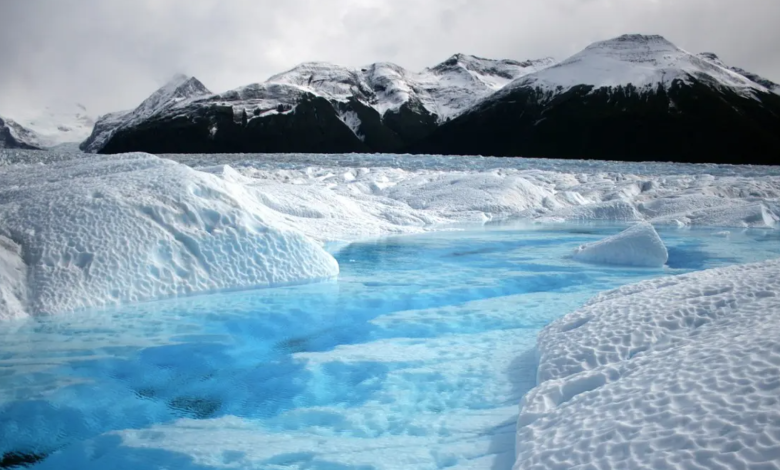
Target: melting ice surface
416 357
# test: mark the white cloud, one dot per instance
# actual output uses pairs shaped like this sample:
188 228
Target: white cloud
111 55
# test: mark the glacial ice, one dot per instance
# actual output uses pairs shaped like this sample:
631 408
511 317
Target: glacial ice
344 197
97 231
676 372
638 246
323 197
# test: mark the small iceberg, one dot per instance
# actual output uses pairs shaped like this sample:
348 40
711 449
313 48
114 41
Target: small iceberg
638 246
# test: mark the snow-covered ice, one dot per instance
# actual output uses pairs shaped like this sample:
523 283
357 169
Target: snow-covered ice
96 231
354 196
638 246
680 372
70 200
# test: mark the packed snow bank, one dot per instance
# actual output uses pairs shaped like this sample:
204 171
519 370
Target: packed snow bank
638 245
97 231
677 372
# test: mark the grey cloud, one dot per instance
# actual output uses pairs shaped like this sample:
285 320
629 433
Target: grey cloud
111 54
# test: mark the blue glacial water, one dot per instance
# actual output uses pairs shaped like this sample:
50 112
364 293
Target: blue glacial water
416 357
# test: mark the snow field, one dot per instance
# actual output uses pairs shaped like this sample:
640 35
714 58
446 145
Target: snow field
678 372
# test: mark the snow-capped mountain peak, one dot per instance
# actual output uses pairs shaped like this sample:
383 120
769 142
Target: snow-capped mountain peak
178 91
181 87
644 61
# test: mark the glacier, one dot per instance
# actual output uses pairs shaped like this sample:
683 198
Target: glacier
671 372
109 230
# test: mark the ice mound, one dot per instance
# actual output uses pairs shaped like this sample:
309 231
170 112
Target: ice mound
677 372
98 231
13 291
638 245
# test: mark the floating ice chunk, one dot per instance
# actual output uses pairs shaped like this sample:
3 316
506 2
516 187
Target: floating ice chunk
638 245
675 372
98 231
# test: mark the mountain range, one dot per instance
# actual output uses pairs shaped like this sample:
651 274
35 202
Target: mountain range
315 107
630 98
634 97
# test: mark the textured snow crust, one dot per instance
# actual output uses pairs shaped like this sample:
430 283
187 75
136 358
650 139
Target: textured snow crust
676 372
96 231
638 246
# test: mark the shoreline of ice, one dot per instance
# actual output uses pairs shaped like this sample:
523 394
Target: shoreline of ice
101 230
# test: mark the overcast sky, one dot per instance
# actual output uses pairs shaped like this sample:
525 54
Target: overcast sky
111 54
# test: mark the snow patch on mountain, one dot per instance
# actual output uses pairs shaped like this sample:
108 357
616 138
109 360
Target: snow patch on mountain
765 82
457 83
351 119
258 100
